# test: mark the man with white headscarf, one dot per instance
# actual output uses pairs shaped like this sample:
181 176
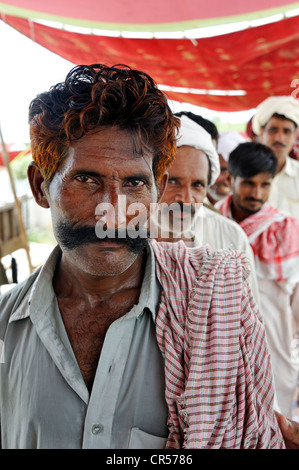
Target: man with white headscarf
194 169
276 123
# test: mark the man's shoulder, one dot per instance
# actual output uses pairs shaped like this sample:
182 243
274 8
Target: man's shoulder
10 301
194 261
13 293
281 218
178 251
221 232
292 167
214 280
215 217
293 162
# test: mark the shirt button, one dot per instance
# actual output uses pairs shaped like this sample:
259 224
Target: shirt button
97 428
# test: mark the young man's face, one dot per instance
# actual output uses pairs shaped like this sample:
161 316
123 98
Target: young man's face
280 135
250 194
85 190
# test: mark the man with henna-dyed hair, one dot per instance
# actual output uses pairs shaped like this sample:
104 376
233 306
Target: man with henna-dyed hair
119 341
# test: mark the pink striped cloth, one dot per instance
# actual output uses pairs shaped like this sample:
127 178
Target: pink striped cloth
217 370
274 238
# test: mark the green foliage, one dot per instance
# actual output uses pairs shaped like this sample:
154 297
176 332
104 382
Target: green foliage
41 236
19 166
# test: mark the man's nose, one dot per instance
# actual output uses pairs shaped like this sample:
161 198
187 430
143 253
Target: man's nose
279 136
112 210
257 192
185 195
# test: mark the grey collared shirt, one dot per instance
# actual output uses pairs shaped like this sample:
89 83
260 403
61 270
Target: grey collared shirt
44 402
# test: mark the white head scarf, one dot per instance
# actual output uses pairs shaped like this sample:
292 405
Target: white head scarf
193 135
228 141
286 105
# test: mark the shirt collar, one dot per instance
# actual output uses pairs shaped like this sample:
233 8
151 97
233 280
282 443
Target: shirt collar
150 290
149 297
41 295
289 169
36 301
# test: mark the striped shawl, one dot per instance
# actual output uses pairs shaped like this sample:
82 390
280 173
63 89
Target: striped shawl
274 239
217 370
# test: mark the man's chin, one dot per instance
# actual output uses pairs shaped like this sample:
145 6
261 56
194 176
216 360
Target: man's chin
252 209
101 259
180 226
280 152
219 195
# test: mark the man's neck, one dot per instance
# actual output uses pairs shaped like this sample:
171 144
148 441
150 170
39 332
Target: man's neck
89 305
69 281
281 164
238 214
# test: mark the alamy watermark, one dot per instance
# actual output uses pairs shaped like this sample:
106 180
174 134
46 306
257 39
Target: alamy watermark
158 220
295 84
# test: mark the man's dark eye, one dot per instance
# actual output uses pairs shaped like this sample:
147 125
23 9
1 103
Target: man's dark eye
84 179
136 183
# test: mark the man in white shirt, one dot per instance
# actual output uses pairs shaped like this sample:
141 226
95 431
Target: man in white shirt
276 123
195 168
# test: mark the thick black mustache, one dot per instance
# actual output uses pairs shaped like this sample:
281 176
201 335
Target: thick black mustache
71 238
253 199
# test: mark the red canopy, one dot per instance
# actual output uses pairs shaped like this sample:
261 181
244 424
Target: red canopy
145 15
230 72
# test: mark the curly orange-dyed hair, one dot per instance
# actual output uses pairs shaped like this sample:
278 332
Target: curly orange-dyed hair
96 95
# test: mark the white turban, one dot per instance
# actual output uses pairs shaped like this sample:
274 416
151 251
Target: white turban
285 105
228 141
193 135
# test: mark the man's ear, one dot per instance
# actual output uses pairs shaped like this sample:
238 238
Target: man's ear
36 182
162 186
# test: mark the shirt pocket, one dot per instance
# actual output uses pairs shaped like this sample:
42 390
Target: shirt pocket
142 440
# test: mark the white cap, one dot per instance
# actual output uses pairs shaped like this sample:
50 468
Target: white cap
228 141
194 135
285 105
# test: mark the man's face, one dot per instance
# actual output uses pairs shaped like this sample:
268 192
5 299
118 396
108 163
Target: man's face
280 135
223 185
250 194
85 191
187 181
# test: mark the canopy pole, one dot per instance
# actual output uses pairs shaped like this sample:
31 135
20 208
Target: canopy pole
17 202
